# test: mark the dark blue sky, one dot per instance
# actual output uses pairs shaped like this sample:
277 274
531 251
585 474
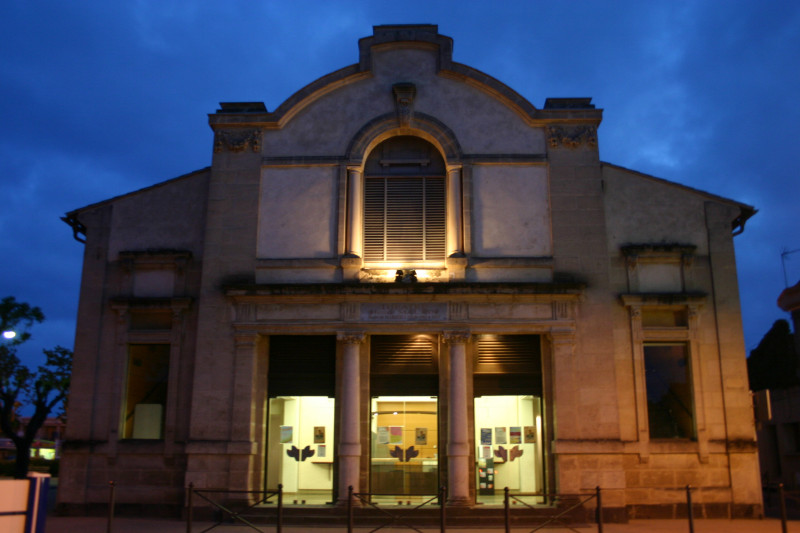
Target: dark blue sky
101 98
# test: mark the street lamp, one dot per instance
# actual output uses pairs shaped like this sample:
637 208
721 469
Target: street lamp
9 334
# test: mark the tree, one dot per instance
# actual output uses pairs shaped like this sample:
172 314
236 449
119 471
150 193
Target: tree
773 364
45 389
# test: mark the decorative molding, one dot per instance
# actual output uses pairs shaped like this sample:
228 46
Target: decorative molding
404 94
456 336
571 136
237 140
458 311
350 337
350 311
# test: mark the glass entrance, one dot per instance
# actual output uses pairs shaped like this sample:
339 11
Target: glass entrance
404 445
508 437
300 448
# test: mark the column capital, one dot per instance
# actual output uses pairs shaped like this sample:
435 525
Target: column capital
351 337
456 336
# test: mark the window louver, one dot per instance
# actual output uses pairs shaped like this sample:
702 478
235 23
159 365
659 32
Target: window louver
520 353
403 353
404 219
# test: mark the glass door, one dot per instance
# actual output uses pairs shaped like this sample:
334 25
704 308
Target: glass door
300 448
404 445
508 437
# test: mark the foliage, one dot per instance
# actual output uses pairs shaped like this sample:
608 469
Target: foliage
44 389
773 364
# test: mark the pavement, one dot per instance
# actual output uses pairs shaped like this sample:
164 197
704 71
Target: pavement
70 524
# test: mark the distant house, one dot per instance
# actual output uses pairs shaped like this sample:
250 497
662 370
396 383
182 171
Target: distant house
409 276
47 444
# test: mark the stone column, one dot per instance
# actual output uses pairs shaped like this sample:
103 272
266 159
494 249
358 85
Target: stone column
455 239
355 213
457 423
349 428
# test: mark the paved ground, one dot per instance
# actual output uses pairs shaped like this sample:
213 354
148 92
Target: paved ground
56 524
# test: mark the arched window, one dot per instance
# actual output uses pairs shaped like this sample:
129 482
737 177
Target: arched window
404 203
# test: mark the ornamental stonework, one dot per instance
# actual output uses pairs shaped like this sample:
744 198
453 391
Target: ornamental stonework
237 141
571 136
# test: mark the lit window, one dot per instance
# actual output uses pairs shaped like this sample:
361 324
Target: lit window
404 203
146 391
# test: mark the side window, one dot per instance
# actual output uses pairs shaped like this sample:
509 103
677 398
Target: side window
146 391
404 203
670 409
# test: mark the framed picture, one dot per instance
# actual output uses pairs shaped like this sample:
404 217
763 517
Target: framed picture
515 435
287 434
530 434
319 434
421 436
500 436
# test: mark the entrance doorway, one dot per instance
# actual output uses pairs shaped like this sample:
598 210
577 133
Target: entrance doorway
509 420
300 448
404 445
300 418
508 437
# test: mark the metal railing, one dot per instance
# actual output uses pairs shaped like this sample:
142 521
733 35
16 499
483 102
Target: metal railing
778 491
394 519
557 518
364 500
231 514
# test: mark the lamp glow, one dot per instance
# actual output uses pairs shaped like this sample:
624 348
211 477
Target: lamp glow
9 334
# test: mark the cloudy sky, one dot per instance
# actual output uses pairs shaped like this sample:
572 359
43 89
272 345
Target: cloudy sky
102 98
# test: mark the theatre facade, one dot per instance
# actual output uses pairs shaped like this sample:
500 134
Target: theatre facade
406 277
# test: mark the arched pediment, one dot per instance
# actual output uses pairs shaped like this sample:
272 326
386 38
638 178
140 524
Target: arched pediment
385 126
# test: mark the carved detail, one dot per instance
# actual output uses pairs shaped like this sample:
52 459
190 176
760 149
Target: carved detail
350 311
571 136
562 310
245 312
350 337
456 336
458 311
237 140
404 94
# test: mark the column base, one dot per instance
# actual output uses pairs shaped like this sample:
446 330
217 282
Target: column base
459 502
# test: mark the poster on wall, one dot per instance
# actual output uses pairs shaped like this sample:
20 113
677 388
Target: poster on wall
515 435
321 450
421 436
383 435
530 434
486 452
319 434
287 434
486 436
500 436
395 435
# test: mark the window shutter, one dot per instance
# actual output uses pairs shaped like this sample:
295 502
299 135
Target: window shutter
391 354
404 219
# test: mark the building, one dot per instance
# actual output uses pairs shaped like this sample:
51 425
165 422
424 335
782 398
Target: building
409 276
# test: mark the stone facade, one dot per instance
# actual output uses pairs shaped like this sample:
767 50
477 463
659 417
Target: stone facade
585 272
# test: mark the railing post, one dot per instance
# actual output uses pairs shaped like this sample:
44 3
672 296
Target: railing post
442 509
279 526
111 503
189 507
599 510
782 500
506 510
350 509
689 512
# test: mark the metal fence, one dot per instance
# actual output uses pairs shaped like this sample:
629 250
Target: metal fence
245 514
